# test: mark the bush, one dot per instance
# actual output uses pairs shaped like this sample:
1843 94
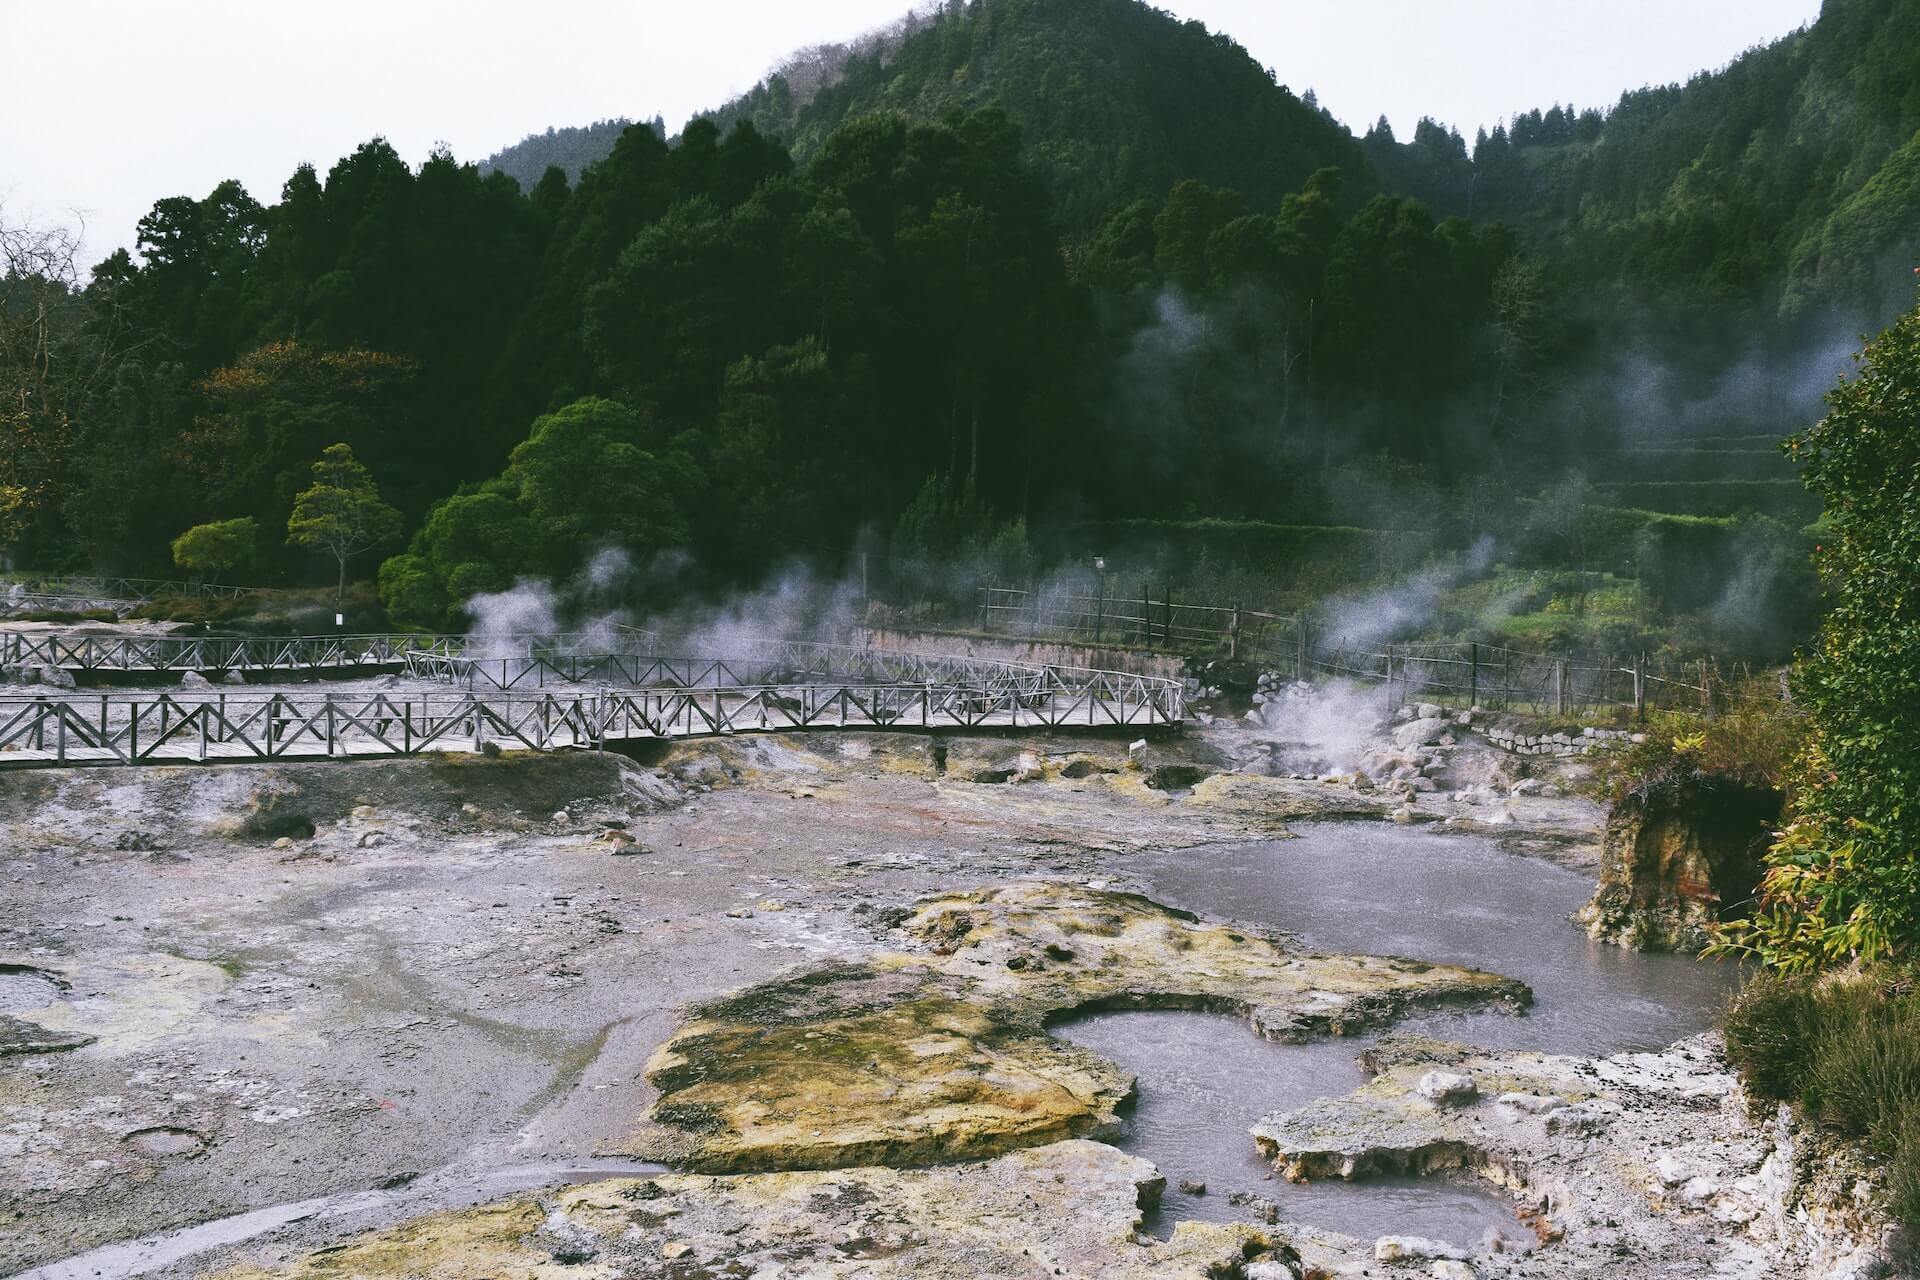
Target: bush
1770 1026
1846 1049
1864 1075
1843 884
1753 741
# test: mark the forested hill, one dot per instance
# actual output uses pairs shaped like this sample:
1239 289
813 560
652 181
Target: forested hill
1787 183
1142 290
1790 179
1116 100
569 150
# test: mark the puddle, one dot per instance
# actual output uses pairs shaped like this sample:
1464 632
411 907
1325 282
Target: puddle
1454 899
1205 1079
165 1141
24 988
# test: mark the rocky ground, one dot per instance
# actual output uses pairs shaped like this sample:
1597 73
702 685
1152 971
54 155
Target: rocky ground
380 990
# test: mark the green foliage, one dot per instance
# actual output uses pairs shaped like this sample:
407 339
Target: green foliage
1843 882
1770 1028
948 540
1754 740
1120 101
592 474
210 550
342 512
412 593
1086 260
1847 1049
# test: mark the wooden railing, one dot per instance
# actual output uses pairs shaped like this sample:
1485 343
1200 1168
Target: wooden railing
788 686
91 651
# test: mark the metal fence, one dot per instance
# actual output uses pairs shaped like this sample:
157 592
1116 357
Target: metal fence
1463 674
1140 621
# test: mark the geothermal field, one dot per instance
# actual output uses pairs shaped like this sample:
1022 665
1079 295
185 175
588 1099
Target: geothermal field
836 960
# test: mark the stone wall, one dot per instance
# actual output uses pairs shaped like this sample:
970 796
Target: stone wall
1521 743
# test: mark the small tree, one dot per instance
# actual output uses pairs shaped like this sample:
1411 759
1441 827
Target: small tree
1843 881
209 550
342 513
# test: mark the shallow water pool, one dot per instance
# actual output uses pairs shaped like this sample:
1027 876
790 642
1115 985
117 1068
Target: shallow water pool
1206 1078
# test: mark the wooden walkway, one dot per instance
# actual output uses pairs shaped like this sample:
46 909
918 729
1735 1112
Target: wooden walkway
76 729
107 653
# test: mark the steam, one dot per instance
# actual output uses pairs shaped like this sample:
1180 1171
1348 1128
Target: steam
580 616
1407 608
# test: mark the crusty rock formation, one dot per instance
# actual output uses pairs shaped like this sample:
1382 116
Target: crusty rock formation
1638 1165
1070 1209
1677 854
941 1052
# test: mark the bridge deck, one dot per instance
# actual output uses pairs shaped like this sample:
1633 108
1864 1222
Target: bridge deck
46 733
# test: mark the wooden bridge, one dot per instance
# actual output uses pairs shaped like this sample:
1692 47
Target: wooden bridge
784 687
109 652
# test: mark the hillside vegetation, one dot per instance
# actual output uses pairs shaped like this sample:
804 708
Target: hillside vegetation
968 295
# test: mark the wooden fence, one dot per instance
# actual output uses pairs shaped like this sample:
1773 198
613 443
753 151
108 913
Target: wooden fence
129 590
1449 673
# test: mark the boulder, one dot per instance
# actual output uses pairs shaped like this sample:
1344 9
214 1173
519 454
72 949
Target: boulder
1447 1088
57 678
1421 732
194 680
1415 1249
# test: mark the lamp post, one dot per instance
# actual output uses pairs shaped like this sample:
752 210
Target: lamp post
1100 595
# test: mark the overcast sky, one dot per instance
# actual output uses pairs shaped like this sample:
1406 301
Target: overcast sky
108 105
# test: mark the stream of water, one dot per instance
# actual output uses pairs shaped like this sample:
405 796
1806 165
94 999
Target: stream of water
1206 1078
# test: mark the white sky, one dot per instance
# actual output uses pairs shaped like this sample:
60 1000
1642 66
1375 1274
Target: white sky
108 105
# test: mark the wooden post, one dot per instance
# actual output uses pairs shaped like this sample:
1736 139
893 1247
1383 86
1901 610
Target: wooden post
1559 686
1640 686
1390 705
1233 635
1473 673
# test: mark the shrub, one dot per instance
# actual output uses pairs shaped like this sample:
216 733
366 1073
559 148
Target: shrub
1847 1049
1769 1027
1843 883
1864 1075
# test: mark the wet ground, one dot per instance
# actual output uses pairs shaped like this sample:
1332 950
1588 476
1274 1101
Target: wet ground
1204 1079
455 980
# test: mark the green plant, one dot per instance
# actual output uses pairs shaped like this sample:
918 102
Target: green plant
211 550
1769 1025
1863 1073
1847 1049
1844 883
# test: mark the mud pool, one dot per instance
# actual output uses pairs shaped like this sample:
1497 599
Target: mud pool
1204 1078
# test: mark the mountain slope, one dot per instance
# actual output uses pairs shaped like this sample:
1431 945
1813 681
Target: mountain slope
1117 101
570 150
1789 179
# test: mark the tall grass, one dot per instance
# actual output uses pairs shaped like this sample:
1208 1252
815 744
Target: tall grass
1847 1049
